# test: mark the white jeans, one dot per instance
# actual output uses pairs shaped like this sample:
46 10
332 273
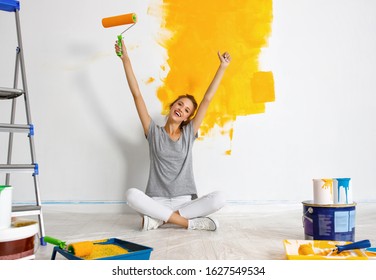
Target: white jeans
162 207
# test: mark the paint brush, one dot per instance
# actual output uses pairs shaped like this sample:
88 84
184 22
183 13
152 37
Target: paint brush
355 245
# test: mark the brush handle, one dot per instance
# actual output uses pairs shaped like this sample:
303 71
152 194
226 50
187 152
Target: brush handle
373 250
120 38
55 241
355 245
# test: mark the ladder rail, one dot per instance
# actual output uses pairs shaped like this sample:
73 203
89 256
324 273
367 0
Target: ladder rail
13 115
23 70
25 87
39 204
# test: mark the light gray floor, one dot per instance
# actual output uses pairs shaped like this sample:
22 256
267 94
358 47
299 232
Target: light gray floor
253 231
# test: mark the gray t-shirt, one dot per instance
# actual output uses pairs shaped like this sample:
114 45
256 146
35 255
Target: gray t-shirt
171 170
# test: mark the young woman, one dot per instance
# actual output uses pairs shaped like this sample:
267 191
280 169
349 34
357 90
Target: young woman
171 195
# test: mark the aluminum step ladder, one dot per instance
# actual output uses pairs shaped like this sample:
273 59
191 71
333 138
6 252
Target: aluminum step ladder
13 94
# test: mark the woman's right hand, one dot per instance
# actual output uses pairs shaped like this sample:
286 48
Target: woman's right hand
224 58
121 49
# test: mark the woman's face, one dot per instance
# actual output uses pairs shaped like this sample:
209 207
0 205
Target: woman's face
182 109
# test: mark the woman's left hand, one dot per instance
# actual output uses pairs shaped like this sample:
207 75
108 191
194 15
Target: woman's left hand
225 58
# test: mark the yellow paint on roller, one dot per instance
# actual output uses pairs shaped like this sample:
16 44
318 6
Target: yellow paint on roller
196 31
81 249
262 85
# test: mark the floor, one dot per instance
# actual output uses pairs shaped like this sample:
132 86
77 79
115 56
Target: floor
250 231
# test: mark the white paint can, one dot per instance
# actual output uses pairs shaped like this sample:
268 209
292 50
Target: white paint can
5 206
323 191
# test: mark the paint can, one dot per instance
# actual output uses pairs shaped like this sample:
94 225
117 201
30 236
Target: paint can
18 241
329 222
323 191
5 206
342 191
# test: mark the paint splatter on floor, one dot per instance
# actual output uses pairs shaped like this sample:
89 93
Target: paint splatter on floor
194 31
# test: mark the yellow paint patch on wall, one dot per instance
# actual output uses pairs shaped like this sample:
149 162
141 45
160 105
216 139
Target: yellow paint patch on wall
150 80
262 85
194 31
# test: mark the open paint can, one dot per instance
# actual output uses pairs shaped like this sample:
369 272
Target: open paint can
323 191
329 222
342 191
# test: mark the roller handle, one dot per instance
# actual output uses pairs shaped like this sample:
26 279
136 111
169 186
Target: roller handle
355 245
119 39
55 241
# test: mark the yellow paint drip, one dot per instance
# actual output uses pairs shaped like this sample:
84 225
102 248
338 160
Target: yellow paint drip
196 31
328 184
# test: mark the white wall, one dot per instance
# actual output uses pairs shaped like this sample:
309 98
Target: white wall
88 138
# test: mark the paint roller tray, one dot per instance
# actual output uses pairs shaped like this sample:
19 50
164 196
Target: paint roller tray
321 249
135 251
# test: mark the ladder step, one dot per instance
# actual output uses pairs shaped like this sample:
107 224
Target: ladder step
26 210
25 128
10 93
27 168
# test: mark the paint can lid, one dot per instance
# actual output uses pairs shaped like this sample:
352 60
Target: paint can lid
310 203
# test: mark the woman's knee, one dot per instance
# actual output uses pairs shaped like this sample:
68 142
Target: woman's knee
132 194
217 199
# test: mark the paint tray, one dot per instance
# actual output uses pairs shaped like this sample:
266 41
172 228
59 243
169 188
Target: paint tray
321 249
134 251
370 255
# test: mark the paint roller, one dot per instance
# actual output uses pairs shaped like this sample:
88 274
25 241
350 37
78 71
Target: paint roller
124 19
79 249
